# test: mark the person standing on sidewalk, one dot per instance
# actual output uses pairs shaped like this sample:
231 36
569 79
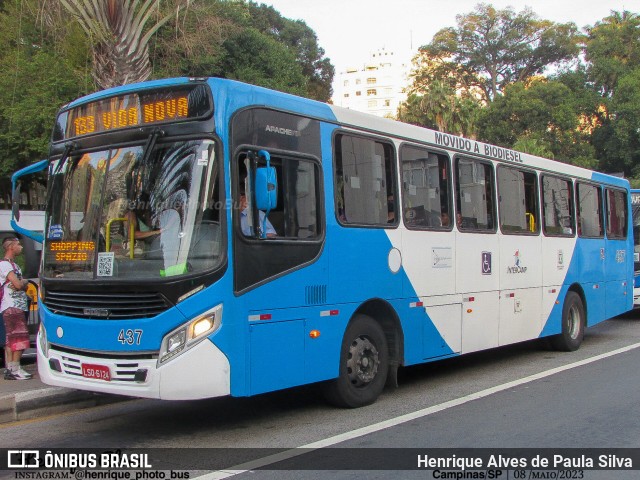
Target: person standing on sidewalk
13 308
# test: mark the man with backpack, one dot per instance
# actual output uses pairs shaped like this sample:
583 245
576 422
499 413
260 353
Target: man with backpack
13 307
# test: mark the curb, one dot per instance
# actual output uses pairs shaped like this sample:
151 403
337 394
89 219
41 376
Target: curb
50 401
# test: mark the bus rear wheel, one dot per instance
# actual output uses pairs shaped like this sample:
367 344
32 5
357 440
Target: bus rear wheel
364 364
573 322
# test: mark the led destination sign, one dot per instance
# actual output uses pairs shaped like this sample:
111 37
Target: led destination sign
108 116
72 251
133 110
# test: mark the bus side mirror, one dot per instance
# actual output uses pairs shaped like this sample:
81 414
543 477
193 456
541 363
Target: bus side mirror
15 199
266 185
15 202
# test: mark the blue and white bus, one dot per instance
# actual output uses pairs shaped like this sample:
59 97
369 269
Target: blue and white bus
635 215
394 245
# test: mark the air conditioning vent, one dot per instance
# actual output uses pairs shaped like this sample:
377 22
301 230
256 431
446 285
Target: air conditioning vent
316 294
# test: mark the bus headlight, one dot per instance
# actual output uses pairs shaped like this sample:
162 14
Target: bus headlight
202 326
177 341
191 333
42 340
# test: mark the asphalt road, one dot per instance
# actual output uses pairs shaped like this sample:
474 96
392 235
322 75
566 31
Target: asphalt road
521 396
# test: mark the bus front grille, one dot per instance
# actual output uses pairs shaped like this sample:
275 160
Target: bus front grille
127 369
106 306
120 372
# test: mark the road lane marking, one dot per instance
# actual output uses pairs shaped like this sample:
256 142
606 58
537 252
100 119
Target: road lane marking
392 422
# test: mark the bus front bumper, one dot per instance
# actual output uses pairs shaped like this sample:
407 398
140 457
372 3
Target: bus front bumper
201 372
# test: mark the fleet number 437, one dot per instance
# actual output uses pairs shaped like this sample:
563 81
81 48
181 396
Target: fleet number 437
130 337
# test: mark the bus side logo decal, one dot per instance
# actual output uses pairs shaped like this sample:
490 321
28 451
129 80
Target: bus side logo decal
517 268
560 260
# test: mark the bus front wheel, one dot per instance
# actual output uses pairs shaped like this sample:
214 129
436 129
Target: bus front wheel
573 322
364 364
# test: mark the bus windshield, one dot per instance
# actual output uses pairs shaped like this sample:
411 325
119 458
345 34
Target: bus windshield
134 212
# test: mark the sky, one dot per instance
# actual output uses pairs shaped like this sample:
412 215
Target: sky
348 30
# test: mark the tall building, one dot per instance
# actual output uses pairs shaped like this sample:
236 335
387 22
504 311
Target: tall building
378 87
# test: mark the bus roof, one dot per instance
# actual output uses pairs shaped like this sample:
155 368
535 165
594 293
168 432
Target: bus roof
238 95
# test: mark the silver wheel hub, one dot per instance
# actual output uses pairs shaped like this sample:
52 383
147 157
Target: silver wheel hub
362 362
574 322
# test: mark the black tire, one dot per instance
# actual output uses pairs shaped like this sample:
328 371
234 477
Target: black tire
364 365
573 322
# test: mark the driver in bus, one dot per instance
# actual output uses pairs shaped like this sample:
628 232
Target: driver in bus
144 233
244 220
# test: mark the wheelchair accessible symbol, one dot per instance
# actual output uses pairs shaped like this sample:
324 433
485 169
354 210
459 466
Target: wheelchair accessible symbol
486 263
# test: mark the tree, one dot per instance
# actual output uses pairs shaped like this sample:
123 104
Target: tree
249 55
613 52
41 68
191 44
617 140
411 111
436 67
204 40
533 144
440 107
492 48
439 103
442 96
119 43
303 42
542 117
612 49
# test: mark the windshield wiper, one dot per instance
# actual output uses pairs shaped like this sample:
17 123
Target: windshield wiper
68 149
151 142
141 168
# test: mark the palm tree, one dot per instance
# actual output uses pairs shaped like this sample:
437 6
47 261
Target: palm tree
438 103
119 43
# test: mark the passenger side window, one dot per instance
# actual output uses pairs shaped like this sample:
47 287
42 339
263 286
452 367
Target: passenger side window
475 196
425 183
590 219
300 185
518 199
557 198
616 214
364 182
